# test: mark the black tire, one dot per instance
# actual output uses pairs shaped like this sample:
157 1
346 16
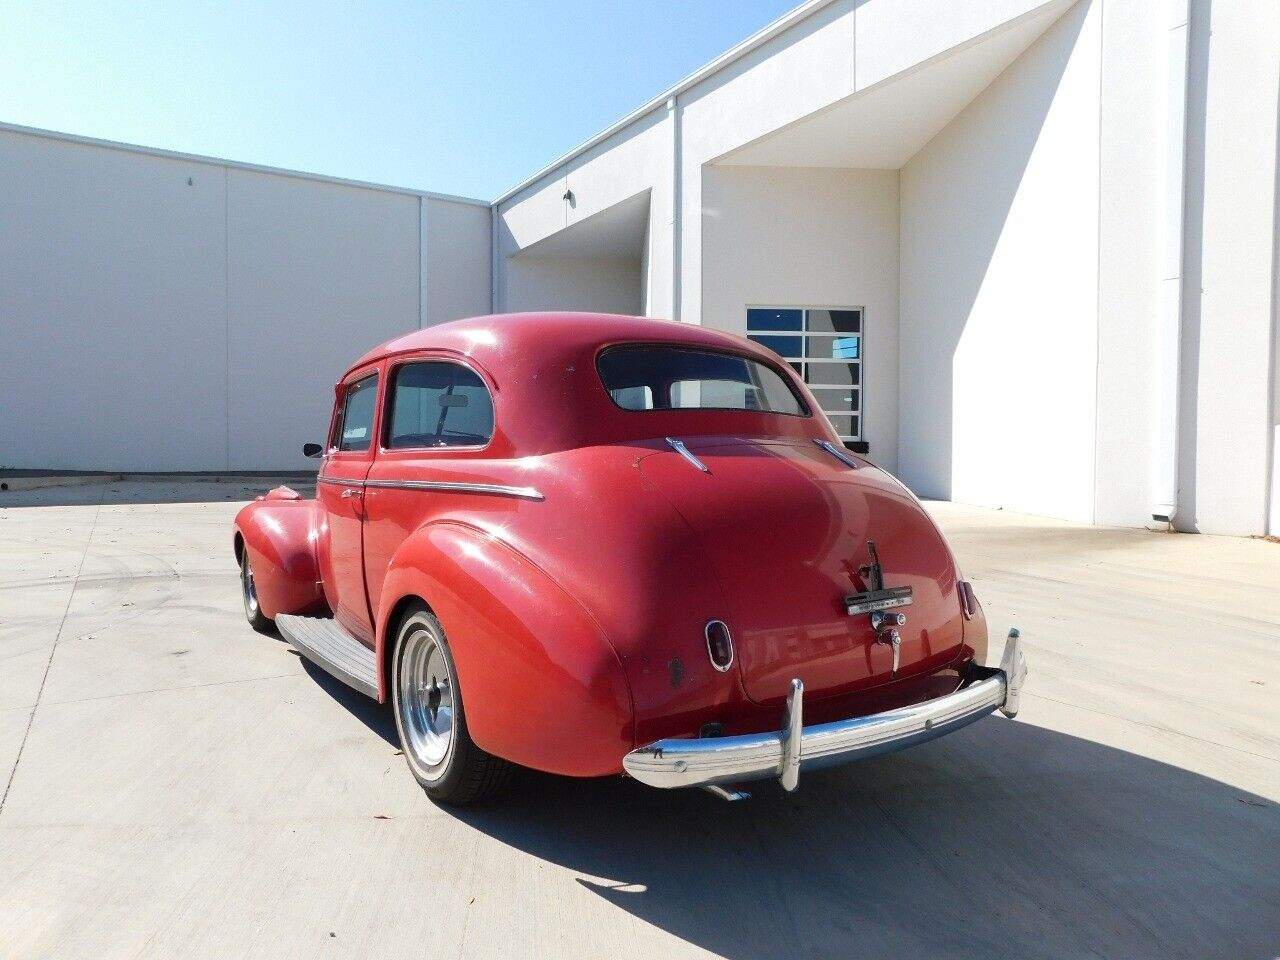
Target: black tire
249 593
431 719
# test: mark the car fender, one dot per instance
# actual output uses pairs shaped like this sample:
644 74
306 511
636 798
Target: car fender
281 532
542 685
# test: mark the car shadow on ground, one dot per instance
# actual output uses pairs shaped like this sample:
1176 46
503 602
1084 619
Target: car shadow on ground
1002 840
374 715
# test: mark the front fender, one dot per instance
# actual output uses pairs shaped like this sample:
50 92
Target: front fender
542 685
281 534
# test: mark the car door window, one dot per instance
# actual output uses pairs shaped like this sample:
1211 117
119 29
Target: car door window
438 404
355 432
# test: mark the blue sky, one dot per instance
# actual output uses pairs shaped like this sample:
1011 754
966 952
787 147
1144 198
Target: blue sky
465 98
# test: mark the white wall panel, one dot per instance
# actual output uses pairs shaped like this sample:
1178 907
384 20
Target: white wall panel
785 236
1230 292
1131 236
162 313
112 309
456 260
319 273
593 284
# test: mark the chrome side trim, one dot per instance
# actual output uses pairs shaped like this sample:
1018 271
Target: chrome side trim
450 486
681 449
836 452
709 761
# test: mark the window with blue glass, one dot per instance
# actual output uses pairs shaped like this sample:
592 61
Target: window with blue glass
824 346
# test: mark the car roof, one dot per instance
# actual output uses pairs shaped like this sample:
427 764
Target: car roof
549 336
548 395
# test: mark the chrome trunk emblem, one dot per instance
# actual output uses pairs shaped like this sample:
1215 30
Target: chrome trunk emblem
876 601
877 597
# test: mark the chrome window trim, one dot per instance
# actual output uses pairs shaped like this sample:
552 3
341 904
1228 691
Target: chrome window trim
804 413
393 371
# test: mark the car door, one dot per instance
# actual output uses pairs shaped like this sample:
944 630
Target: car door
340 490
438 423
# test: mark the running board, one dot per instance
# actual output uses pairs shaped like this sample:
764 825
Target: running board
326 644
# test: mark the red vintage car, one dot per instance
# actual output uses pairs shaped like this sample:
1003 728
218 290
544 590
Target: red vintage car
594 544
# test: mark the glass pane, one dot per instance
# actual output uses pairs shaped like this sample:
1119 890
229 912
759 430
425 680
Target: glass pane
782 346
832 373
830 398
834 321
834 348
768 319
357 415
846 426
439 405
702 379
633 398
730 394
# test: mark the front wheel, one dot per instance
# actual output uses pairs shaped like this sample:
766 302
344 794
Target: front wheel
431 721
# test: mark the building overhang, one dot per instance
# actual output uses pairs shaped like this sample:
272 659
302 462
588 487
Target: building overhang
884 125
616 233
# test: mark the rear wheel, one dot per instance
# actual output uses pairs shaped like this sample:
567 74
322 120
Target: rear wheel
249 591
431 720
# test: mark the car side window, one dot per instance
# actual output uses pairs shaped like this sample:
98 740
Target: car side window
438 404
356 427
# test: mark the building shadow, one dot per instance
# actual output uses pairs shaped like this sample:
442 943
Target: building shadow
1002 840
138 489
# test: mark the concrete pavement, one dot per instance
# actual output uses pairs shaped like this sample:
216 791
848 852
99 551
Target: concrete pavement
177 785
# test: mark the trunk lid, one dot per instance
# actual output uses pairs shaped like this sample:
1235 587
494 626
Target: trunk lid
786 528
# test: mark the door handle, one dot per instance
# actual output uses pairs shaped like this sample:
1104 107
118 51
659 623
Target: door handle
350 492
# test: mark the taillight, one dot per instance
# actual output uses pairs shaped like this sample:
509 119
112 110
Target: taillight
719 645
968 602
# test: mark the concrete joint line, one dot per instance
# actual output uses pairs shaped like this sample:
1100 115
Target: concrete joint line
31 718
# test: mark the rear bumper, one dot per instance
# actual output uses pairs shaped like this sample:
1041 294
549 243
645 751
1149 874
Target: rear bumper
782 754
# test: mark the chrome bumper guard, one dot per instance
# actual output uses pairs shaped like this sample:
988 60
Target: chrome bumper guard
713 761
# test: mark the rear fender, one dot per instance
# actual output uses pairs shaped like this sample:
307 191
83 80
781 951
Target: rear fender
543 687
281 532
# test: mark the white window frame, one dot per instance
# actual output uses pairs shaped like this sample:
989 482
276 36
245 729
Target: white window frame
857 409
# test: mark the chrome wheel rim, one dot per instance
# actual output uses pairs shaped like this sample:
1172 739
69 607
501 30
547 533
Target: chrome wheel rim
247 587
426 696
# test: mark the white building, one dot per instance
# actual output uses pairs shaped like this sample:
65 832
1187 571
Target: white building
1048 229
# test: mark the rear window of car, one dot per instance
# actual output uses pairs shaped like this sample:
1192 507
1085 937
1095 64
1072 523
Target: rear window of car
680 378
438 404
